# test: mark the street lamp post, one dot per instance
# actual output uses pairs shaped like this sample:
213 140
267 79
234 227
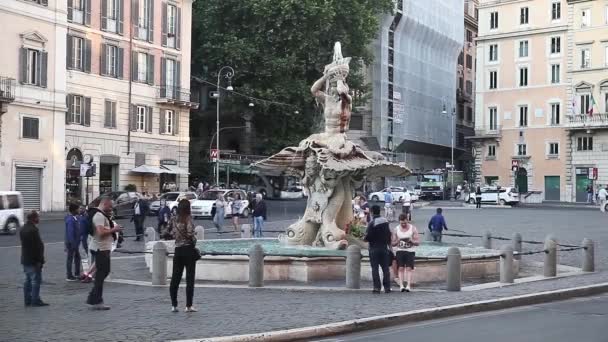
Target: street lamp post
452 169
228 75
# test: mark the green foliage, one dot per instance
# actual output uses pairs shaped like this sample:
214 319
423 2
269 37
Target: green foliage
278 48
356 228
130 187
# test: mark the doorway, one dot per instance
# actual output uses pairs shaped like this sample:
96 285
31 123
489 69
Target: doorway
521 181
108 178
582 180
552 190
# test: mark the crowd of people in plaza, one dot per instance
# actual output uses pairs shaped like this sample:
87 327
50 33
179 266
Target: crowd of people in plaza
599 196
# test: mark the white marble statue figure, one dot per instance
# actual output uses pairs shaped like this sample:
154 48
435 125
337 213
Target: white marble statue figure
329 164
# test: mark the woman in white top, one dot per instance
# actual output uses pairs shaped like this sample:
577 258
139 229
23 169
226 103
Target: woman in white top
236 211
405 239
218 218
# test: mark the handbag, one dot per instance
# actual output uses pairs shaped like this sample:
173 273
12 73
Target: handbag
196 254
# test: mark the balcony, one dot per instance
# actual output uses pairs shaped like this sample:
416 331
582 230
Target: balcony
487 132
7 92
585 121
175 95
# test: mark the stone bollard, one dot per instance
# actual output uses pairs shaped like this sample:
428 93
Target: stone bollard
246 231
159 264
199 232
588 256
453 269
353 267
487 240
517 245
256 266
506 265
150 235
550 265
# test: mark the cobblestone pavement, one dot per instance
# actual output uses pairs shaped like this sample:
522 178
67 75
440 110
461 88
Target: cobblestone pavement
142 313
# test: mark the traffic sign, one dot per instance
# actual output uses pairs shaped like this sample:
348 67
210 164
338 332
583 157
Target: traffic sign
592 175
214 155
514 165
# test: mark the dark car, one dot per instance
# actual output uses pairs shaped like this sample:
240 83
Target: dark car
122 202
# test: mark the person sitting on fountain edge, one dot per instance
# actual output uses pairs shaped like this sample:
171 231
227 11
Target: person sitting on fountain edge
378 235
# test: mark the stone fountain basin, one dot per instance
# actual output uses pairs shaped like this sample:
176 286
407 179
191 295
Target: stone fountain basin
309 264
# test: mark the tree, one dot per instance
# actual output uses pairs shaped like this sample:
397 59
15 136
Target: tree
278 49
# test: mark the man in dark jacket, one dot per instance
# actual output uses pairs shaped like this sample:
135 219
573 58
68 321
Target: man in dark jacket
140 210
72 243
378 235
259 215
32 259
437 225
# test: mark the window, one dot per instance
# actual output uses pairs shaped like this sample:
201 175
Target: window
461 59
493 79
553 149
606 56
584 143
145 20
493 118
112 16
77 11
111 59
172 26
13 202
523 48
522 150
555 73
33 67
169 122
585 58
79 110
555 114
493 53
78 53
469 36
523 76
469 87
586 17
109 114
30 128
556 11
141 118
523 116
469 114
493 20
491 151
469 61
523 15
170 79
142 67
556 46
585 103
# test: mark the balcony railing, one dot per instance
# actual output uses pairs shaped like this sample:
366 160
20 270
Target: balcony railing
586 120
487 132
176 95
7 89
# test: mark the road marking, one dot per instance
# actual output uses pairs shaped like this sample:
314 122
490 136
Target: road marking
48 243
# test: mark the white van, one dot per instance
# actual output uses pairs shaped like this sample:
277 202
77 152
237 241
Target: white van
11 211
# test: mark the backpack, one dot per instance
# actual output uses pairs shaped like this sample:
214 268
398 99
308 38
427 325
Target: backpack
90 226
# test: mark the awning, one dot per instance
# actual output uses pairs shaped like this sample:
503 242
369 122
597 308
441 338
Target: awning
172 169
148 169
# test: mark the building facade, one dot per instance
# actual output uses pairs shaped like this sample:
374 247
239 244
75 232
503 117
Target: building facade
127 98
520 97
587 124
414 82
32 99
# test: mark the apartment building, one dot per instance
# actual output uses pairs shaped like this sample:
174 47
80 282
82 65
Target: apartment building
128 99
587 124
32 100
521 86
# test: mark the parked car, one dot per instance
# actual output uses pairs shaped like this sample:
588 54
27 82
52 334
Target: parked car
11 212
397 192
123 202
489 194
203 205
172 199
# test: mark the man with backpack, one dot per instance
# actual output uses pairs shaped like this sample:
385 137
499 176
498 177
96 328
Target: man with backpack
103 230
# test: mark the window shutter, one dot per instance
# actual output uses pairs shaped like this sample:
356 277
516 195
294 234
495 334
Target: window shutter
104 53
175 123
178 78
120 14
87 55
150 71
133 117
113 114
135 17
107 119
134 66
87 111
163 76
151 21
87 14
178 29
70 9
44 2
163 122
163 36
68 113
149 120
120 57
23 64
44 60
104 14
68 56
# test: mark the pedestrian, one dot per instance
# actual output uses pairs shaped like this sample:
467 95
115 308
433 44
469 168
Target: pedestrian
365 208
406 208
602 195
458 191
437 225
405 239
218 217
88 246
164 216
32 259
589 193
259 216
140 210
235 207
378 235
72 243
185 255
104 231
478 197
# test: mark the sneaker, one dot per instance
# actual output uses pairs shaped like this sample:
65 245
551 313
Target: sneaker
40 303
191 309
375 291
71 278
408 289
402 289
388 291
174 309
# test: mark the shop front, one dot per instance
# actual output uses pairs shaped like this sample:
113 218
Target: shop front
73 181
108 173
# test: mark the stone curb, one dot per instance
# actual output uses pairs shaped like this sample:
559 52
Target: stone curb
376 322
